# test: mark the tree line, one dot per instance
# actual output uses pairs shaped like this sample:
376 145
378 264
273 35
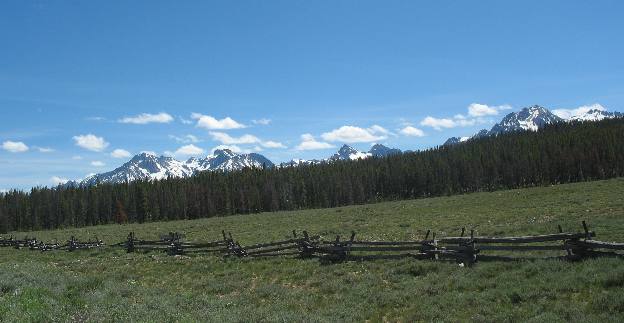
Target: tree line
559 153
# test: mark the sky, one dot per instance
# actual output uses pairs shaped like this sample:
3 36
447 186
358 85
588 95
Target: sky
85 85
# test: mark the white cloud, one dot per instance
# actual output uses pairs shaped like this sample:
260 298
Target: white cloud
458 120
189 150
377 129
351 134
412 131
263 121
120 153
309 143
571 113
76 157
476 111
481 110
272 144
208 122
185 139
14 146
145 118
226 139
3 190
91 142
44 149
97 163
438 123
185 121
58 180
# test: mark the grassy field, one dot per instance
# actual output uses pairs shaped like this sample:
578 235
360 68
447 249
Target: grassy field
110 285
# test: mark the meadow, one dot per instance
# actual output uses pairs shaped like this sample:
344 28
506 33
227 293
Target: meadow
110 285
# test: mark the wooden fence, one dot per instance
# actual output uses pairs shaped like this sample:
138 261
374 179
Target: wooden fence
34 244
465 248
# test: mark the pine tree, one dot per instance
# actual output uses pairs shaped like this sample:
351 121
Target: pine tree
120 213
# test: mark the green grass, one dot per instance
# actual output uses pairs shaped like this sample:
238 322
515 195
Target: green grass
110 285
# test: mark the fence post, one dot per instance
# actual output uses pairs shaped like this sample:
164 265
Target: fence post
470 253
175 248
587 234
72 244
578 249
435 247
306 248
348 249
130 243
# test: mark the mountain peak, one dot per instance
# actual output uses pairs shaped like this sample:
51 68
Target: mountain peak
224 152
147 166
144 155
536 117
346 150
529 118
379 150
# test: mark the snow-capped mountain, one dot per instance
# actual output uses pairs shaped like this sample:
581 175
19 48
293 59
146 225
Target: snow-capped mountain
596 115
379 150
146 166
226 160
532 119
347 152
455 140
141 166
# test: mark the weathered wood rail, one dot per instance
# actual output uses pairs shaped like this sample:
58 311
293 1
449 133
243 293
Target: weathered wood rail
464 249
34 244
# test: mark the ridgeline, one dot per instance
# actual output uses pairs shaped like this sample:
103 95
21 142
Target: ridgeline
559 153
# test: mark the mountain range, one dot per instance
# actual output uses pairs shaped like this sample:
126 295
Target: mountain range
147 166
532 118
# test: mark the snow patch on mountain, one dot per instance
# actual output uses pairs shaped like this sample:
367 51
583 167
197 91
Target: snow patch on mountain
148 166
536 117
347 152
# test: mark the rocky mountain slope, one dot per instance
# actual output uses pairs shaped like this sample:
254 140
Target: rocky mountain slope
532 119
146 166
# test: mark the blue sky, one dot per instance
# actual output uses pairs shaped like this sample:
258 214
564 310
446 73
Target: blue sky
323 72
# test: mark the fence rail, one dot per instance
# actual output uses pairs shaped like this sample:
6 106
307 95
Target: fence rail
465 249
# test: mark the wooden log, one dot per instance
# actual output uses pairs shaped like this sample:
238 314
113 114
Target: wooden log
292 253
381 257
272 244
523 239
203 245
278 243
390 243
600 244
290 247
357 248
520 248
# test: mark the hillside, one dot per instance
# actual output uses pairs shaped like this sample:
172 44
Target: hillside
109 284
560 153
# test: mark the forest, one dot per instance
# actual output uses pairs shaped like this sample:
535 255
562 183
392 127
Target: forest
559 153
